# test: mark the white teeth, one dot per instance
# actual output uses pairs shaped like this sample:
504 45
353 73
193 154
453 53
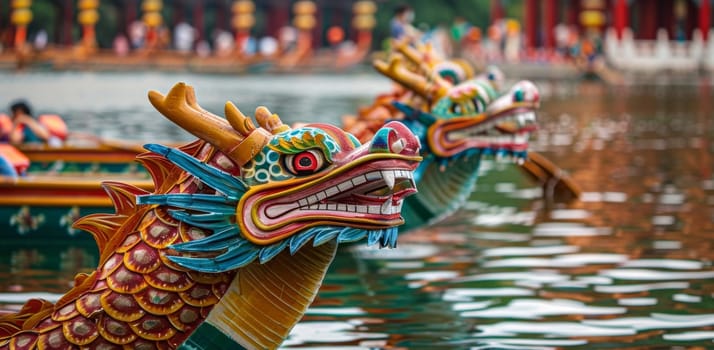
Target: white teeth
388 176
386 208
372 176
332 191
312 202
359 180
477 132
398 146
344 186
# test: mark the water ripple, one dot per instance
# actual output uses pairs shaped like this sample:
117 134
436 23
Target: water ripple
465 294
553 329
540 277
656 321
655 275
564 229
571 260
537 308
516 251
665 264
690 336
637 288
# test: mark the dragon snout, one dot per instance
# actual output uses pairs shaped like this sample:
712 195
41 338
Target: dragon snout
395 138
525 91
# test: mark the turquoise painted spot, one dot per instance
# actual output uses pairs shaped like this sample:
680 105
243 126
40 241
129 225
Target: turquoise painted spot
276 171
259 158
262 175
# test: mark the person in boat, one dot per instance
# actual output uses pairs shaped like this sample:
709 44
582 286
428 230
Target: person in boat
25 128
401 24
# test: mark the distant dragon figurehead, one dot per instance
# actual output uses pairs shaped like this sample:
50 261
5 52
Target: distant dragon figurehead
456 118
468 117
232 246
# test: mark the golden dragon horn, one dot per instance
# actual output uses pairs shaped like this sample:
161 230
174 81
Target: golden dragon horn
395 69
239 143
238 120
421 60
269 121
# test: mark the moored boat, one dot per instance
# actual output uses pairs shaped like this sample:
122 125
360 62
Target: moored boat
102 156
75 152
44 207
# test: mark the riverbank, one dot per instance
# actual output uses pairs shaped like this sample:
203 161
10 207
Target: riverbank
322 62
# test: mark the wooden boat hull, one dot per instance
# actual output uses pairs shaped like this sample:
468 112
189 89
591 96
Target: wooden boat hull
44 207
108 157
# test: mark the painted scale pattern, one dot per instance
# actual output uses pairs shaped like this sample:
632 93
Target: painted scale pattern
136 299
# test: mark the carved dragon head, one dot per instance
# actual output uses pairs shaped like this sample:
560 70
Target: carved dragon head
467 117
314 183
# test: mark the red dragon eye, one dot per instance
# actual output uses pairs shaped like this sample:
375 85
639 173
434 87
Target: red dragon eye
304 163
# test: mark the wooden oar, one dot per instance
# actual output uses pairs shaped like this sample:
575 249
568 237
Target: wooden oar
557 184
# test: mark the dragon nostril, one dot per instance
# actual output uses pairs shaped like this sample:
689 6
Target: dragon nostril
398 146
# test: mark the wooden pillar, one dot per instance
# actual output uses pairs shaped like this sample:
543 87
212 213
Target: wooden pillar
648 20
319 28
179 14
531 23
279 15
496 10
130 14
705 12
221 12
68 14
550 19
621 17
198 23
572 13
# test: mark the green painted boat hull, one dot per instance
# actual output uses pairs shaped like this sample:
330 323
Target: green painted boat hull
45 223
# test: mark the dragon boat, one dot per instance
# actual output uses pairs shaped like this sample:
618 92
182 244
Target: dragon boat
44 207
86 157
233 243
458 120
43 204
74 152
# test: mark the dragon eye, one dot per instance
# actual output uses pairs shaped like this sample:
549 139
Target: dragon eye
305 163
455 108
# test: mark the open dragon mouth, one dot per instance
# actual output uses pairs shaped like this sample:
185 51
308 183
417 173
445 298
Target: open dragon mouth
504 128
507 131
370 195
367 195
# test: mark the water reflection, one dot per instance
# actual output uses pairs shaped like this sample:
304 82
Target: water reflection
628 266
